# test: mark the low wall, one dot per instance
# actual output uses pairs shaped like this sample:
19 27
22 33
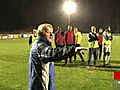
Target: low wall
12 36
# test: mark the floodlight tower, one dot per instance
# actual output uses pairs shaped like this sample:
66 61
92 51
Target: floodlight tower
69 8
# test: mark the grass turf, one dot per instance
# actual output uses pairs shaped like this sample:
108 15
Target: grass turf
14 69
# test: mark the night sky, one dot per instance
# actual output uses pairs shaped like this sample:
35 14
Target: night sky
19 14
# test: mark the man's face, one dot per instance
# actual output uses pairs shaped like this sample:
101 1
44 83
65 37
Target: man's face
48 32
70 28
100 30
34 32
75 29
93 29
109 29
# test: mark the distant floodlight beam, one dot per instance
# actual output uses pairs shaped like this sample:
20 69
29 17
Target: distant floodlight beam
69 7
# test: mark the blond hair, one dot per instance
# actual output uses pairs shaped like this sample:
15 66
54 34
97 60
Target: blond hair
43 28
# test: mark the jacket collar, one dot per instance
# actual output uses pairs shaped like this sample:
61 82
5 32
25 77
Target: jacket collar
44 40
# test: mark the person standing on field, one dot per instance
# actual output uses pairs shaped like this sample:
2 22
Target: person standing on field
59 38
93 46
78 38
42 56
100 41
33 37
107 39
69 40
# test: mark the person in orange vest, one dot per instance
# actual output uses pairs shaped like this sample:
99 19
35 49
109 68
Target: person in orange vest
33 37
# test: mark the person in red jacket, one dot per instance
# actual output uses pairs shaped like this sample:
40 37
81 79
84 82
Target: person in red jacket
100 40
59 38
69 40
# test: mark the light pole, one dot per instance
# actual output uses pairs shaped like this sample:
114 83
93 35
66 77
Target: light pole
69 19
69 8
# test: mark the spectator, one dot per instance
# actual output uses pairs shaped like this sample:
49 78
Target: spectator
33 37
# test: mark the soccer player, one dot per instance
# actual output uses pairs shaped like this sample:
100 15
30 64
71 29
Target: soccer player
93 46
107 39
100 41
59 38
78 38
69 40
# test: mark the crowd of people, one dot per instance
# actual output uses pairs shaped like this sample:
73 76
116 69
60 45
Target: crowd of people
68 44
98 42
72 37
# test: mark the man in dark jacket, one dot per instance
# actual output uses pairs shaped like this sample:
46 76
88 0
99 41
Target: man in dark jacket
41 68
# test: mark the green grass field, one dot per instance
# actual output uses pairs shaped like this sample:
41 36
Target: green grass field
14 69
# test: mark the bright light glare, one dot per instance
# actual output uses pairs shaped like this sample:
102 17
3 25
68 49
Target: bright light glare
69 7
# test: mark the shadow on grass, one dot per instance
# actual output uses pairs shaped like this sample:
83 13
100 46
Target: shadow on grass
116 62
80 64
111 68
6 88
112 61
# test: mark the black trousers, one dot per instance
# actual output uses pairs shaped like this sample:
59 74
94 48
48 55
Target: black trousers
70 57
79 53
94 52
100 51
59 45
70 60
